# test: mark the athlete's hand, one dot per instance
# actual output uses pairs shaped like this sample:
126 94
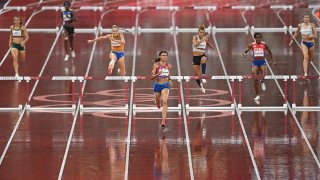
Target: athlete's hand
170 83
244 55
22 44
90 41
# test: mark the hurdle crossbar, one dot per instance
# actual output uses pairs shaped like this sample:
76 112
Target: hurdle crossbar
209 8
209 108
213 29
283 29
56 8
282 7
95 8
171 8
54 30
54 109
245 7
132 8
154 109
282 108
292 29
18 8
9 109
104 109
109 30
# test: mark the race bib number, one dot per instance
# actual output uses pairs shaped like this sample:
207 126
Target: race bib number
164 72
258 52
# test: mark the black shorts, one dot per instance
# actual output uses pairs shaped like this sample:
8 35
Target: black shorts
70 30
197 59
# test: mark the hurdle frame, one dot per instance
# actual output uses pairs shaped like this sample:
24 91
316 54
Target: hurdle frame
296 108
124 108
30 108
282 108
136 108
211 108
12 78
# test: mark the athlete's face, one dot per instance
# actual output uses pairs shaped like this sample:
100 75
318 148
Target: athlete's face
201 33
16 20
164 57
306 18
115 31
66 5
258 38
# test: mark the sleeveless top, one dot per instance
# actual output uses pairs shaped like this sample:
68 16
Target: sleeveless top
17 32
164 70
306 30
116 46
258 49
200 47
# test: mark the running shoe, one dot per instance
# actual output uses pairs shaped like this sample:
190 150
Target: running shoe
73 54
66 58
257 98
263 86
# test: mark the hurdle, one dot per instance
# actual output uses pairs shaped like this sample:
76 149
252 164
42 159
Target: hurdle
155 109
294 94
211 108
55 78
284 106
105 109
12 78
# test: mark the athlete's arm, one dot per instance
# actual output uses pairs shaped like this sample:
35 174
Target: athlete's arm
270 53
10 38
154 69
295 34
25 35
99 38
244 55
314 31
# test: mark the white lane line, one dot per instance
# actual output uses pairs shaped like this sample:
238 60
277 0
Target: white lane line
65 156
239 116
182 99
24 109
131 97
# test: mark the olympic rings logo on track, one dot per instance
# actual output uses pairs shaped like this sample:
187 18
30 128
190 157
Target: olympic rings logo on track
143 97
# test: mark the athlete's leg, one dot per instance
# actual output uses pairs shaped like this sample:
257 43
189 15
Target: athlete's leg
113 59
122 67
164 99
304 49
15 54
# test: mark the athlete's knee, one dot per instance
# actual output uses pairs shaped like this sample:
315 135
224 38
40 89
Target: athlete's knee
66 38
164 102
122 73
